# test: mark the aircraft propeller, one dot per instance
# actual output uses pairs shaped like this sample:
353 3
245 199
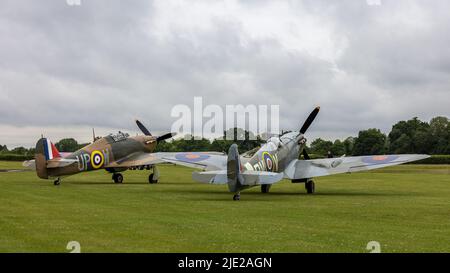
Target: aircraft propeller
143 129
165 136
305 127
147 132
309 120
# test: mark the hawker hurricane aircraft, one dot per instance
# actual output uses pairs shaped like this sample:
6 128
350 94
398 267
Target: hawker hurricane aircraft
279 158
115 153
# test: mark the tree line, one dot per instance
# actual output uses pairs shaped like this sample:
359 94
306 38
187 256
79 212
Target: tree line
406 137
411 136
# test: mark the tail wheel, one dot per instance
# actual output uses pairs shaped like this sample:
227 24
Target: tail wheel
310 187
118 178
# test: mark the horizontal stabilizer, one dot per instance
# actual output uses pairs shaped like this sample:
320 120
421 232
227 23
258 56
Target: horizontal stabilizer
29 164
60 162
250 178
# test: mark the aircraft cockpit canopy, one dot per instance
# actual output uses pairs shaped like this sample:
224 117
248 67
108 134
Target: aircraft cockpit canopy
272 144
287 138
119 136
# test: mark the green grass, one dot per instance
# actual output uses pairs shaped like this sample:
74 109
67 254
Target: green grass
406 208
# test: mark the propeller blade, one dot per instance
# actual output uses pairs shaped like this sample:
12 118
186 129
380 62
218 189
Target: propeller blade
166 136
143 129
309 120
305 154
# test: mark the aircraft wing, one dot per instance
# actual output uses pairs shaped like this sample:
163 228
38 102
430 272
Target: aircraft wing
300 169
136 160
198 160
207 161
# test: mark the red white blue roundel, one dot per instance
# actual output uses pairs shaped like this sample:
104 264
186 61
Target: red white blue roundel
268 160
191 157
379 159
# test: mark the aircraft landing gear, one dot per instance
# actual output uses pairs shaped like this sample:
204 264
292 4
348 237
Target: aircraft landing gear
310 186
153 177
118 178
57 182
265 188
237 196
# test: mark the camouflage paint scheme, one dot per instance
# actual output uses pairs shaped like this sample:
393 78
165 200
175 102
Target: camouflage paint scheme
115 153
277 159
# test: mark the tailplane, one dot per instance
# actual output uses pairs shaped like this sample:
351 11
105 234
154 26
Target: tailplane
235 176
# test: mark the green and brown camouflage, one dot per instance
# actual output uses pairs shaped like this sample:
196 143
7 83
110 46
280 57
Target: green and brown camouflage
114 153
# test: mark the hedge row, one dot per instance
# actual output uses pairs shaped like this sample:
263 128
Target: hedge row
434 159
14 157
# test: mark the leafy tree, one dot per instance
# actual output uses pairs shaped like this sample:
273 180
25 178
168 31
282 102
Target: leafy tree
439 135
338 148
19 151
67 145
321 147
403 139
349 143
3 149
368 142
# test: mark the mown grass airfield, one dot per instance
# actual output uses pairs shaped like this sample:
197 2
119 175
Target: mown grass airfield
405 208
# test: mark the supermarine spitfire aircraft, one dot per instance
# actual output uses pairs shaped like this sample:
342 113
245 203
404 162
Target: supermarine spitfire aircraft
114 153
279 158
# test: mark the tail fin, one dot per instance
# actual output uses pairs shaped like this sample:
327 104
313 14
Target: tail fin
45 150
234 169
235 176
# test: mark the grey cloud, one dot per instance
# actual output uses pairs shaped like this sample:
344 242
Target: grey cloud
102 64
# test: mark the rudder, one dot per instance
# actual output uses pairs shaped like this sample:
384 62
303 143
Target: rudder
45 150
234 169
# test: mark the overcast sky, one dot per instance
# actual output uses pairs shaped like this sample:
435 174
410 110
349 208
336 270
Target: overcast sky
65 69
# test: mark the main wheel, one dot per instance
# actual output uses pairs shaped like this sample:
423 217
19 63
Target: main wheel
237 197
150 179
310 187
265 188
57 182
118 178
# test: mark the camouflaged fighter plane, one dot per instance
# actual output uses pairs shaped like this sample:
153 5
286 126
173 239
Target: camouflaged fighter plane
114 153
279 158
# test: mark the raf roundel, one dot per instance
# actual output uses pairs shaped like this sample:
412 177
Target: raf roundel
379 159
97 159
267 158
191 157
